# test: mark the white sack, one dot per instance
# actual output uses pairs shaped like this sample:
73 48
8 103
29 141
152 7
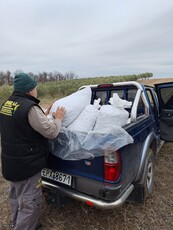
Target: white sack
86 120
117 102
109 116
113 114
73 104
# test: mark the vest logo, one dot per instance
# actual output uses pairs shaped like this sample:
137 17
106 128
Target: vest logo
9 108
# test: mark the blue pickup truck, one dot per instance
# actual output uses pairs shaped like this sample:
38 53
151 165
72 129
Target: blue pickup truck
128 173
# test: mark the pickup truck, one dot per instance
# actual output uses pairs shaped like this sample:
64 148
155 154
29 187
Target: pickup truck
124 175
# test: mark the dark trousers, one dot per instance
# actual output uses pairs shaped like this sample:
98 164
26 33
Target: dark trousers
25 201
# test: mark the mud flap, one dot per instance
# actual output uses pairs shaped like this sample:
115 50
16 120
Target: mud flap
137 196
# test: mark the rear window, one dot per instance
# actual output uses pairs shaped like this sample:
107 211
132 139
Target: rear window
103 95
119 92
126 94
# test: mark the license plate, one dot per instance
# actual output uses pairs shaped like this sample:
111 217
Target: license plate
57 176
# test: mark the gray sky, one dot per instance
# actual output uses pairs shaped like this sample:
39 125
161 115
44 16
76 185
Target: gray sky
90 37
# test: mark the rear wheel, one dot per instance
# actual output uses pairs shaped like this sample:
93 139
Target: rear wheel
149 176
145 190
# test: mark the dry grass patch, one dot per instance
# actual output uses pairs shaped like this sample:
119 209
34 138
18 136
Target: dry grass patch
156 214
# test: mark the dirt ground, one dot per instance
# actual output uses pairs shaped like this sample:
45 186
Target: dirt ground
155 214
153 81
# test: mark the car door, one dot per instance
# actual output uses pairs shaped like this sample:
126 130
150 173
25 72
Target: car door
165 98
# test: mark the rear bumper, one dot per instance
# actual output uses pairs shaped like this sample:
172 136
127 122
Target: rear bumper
83 197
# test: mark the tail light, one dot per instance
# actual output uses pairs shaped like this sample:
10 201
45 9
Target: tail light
112 166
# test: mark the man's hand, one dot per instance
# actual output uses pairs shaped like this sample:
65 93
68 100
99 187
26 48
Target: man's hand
48 110
59 114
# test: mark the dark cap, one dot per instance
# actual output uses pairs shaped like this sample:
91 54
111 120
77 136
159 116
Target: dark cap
24 83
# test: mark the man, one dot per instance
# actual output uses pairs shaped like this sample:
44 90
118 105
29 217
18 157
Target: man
25 131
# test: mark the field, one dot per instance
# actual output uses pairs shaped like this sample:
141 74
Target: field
153 81
156 214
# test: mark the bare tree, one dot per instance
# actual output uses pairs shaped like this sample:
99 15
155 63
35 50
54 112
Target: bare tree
50 76
70 75
58 76
8 77
1 77
18 71
31 74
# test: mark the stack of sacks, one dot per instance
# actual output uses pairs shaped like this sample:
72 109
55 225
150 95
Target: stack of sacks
113 114
78 140
87 118
74 104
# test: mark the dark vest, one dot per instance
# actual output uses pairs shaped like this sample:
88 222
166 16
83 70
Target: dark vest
24 151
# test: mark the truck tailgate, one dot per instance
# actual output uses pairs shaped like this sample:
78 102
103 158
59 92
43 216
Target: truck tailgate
91 169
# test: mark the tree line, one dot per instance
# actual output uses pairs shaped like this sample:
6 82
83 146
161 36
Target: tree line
6 77
60 87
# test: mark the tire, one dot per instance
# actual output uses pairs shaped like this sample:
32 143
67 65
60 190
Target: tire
144 190
149 175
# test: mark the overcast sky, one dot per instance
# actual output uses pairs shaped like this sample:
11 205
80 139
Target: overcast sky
90 37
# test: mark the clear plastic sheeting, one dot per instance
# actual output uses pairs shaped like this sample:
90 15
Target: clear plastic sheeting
69 145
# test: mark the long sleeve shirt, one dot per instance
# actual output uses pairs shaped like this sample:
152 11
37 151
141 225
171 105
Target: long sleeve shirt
39 122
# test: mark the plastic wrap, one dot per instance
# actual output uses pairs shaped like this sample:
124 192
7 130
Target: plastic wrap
110 140
68 145
71 145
